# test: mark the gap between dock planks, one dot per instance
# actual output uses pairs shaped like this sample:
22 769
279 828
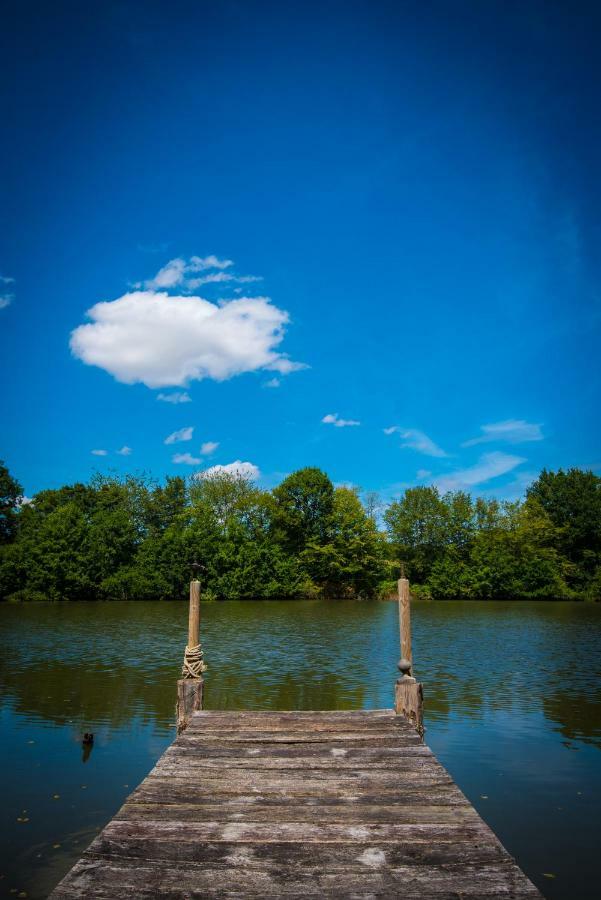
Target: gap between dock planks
297 804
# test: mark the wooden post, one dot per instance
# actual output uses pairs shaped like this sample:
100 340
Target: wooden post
194 614
405 620
189 700
408 693
190 687
409 697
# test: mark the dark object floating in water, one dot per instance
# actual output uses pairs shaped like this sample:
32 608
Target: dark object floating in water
87 742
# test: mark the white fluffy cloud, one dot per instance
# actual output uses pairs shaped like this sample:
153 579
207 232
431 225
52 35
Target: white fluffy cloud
186 458
414 439
184 434
490 465
125 451
511 431
334 419
272 383
99 452
237 469
175 397
167 341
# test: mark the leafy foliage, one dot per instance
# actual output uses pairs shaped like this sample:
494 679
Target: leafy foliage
133 539
10 495
549 547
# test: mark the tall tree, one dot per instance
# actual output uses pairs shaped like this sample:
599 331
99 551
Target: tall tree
11 493
352 562
572 501
304 502
416 527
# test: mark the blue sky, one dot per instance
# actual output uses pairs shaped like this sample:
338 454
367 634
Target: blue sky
380 215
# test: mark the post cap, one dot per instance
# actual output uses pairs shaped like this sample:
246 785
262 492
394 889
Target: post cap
197 569
404 666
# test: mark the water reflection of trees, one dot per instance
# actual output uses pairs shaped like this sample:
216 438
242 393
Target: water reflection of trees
67 693
86 698
578 715
304 691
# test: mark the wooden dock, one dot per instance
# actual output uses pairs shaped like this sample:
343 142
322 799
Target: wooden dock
297 804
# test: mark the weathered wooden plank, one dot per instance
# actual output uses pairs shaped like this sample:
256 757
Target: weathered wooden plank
200 725
197 767
296 856
100 877
307 832
337 731
374 737
213 746
184 746
297 792
266 779
297 714
253 809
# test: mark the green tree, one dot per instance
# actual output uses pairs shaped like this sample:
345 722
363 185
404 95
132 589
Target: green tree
163 505
11 494
352 562
458 523
304 502
572 501
416 525
52 550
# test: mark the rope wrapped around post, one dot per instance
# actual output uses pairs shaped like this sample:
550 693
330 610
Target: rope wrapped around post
194 664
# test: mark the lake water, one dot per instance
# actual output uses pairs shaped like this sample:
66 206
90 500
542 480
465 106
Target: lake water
513 710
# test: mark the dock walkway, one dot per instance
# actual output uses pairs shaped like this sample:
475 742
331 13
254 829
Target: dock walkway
297 804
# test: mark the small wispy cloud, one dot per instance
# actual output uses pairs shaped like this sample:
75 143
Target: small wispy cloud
272 383
175 397
6 298
237 469
125 451
99 452
334 419
489 466
220 278
413 439
186 458
514 489
176 272
423 473
199 263
208 447
511 431
184 434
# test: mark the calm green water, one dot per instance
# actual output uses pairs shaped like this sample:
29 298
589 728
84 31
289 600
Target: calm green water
513 694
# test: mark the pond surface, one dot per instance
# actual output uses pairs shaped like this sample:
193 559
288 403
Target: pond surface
513 710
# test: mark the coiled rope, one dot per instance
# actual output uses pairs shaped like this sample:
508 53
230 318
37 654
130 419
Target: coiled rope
194 664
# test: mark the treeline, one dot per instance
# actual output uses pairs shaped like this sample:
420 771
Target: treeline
120 539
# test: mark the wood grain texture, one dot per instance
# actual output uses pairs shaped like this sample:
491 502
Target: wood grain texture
297 804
